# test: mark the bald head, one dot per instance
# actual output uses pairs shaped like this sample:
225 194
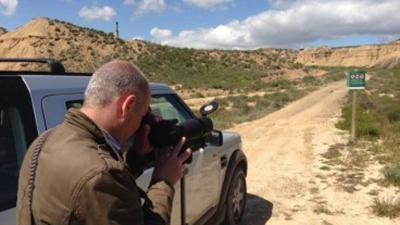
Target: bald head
114 79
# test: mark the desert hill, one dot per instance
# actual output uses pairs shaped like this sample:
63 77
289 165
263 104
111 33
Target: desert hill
80 49
382 56
83 49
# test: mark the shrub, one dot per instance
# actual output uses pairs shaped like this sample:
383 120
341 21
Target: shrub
367 123
308 79
392 174
368 128
386 207
394 114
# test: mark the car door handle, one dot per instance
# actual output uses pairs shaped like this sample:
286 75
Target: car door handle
224 161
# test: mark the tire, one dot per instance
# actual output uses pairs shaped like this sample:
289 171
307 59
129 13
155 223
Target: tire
236 199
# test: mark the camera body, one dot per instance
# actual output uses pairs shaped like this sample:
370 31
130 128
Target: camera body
167 133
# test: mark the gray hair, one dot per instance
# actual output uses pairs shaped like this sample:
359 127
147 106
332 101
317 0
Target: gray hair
114 79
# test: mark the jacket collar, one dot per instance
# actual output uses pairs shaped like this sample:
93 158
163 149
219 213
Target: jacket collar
78 119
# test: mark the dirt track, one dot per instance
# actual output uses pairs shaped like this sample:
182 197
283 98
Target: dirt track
284 153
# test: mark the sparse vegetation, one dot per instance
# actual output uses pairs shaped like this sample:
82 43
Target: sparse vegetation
333 154
373 192
322 209
241 108
378 132
217 68
350 162
237 109
378 116
325 168
386 207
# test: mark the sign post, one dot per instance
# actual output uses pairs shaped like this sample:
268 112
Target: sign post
355 81
353 116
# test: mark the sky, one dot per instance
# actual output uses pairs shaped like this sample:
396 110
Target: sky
223 24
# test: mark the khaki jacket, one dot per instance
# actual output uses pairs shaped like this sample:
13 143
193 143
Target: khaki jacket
81 179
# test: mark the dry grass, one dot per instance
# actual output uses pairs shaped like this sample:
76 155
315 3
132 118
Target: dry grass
386 207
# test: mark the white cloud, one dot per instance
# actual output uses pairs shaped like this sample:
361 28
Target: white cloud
105 13
160 35
147 6
8 7
207 3
295 24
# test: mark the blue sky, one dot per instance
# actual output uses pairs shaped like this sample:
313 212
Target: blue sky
229 24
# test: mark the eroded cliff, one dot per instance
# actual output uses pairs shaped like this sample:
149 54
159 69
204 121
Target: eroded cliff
385 55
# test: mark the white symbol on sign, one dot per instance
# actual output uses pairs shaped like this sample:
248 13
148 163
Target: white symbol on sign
352 76
361 76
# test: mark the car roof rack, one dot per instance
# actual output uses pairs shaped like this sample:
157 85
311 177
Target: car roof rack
55 66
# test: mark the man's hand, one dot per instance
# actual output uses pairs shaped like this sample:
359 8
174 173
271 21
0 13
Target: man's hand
170 167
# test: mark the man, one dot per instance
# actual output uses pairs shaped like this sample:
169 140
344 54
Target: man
82 177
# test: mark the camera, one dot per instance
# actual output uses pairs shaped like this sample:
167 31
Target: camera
166 133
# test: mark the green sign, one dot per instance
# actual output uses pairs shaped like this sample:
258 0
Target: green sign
356 80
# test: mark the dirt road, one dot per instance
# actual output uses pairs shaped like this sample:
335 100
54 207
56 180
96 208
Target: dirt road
284 180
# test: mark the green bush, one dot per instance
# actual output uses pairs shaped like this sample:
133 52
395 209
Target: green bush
281 83
367 123
368 129
392 174
310 80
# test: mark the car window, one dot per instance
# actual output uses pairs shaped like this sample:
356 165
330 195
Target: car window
55 107
17 131
168 107
77 104
8 156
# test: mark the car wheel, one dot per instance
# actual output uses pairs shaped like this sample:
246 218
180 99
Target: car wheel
236 199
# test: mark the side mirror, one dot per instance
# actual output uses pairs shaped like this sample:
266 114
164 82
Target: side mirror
215 138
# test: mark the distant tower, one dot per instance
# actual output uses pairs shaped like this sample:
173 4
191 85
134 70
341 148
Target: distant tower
116 30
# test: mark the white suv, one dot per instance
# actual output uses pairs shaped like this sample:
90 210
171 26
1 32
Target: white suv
31 102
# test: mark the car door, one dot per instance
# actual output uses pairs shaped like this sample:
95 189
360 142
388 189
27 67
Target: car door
202 180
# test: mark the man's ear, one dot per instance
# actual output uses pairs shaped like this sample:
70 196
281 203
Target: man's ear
128 102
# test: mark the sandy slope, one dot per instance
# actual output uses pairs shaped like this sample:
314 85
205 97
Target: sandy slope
284 153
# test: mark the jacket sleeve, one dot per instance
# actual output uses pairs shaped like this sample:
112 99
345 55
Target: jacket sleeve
112 198
108 198
158 203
